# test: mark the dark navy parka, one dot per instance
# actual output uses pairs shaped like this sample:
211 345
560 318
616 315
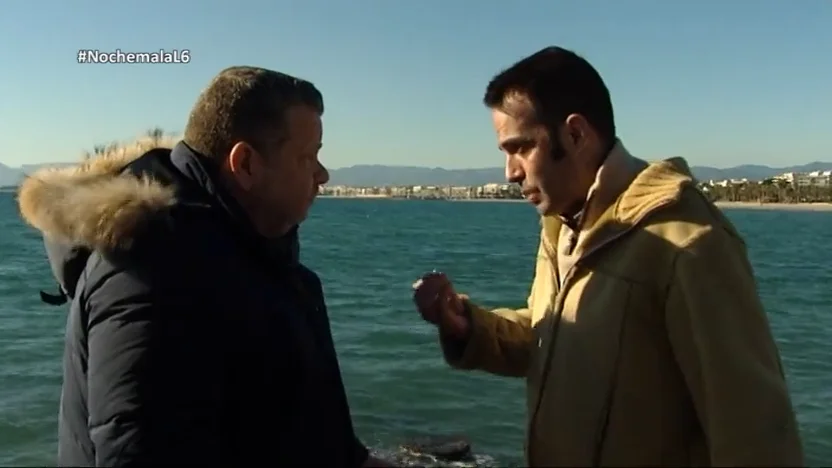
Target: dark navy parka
191 339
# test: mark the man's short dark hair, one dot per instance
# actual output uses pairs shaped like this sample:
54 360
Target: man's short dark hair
557 82
246 104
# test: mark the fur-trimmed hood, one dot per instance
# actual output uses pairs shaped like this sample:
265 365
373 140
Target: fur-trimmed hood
93 204
105 203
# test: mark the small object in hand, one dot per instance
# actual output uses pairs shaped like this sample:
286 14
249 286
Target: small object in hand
421 281
426 276
449 448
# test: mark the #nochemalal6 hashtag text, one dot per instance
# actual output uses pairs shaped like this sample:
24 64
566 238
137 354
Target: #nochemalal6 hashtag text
161 56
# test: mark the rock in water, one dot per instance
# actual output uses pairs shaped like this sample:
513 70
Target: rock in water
449 448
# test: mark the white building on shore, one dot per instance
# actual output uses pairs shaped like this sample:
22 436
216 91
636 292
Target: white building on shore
807 179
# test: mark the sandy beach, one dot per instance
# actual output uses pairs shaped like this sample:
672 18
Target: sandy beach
776 206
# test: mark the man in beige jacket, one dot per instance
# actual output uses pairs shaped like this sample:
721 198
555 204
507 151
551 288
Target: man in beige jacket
644 342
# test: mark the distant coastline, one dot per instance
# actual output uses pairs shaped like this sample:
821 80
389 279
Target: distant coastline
803 206
360 196
822 206
392 197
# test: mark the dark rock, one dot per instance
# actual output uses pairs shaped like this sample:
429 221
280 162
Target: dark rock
449 448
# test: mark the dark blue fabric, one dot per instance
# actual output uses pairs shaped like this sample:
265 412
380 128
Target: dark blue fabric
204 343
67 263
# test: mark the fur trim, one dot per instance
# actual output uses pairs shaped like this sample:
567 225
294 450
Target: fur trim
92 204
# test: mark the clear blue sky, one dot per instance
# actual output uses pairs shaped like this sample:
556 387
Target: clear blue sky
718 82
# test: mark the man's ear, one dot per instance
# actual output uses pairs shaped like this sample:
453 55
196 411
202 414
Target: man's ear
240 160
576 131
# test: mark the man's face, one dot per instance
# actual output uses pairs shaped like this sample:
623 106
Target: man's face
544 169
285 180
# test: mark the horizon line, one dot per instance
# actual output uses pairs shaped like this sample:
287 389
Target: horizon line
402 166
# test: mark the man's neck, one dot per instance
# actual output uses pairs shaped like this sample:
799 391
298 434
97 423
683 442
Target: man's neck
573 216
263 222
611 179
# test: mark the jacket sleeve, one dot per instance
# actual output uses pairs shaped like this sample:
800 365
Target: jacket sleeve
723 344
499 343
152 375
500 340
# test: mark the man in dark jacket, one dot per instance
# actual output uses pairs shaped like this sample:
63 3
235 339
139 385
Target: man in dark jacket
195 335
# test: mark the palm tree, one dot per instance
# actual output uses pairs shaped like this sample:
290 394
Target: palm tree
156 134
767 192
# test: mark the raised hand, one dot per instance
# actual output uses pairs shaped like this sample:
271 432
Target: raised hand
439 304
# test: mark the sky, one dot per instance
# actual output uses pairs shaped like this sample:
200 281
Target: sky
720 83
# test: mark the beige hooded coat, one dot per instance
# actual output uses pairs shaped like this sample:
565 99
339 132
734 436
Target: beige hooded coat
648 344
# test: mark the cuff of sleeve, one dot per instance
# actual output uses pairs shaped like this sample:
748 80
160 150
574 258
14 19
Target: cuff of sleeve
463 353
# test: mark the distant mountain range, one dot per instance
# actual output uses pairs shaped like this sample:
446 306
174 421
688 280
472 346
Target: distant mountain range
10 176
378 175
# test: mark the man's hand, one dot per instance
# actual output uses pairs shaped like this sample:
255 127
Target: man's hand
440 305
